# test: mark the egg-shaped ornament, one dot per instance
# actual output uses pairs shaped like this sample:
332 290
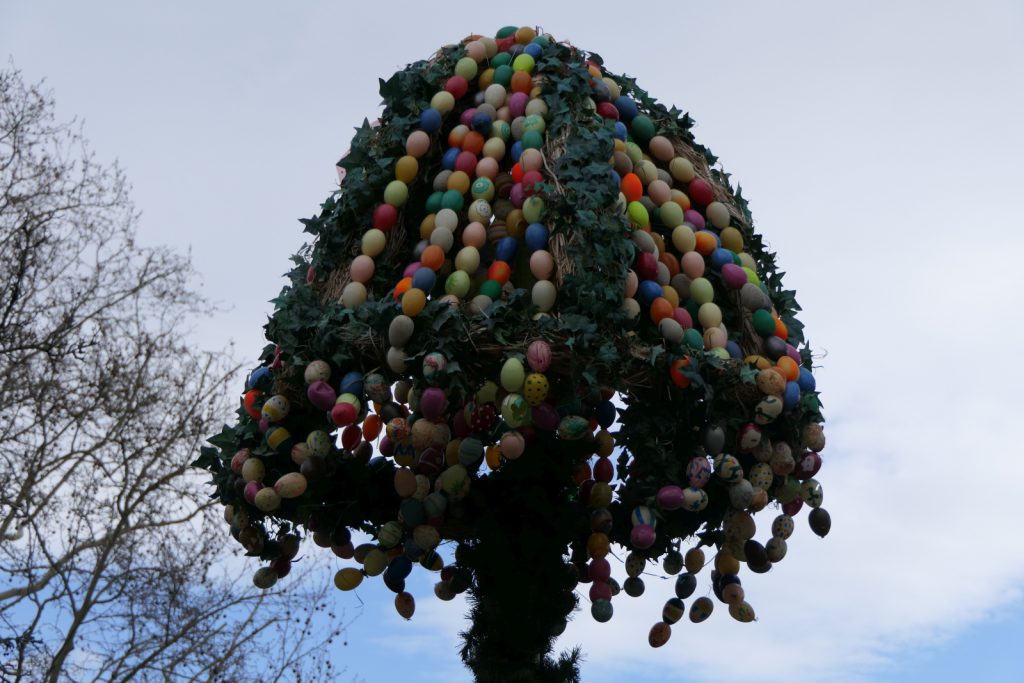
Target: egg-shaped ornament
535 388
435 365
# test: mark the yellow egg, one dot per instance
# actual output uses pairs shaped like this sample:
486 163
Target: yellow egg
536 388
348 578
732 239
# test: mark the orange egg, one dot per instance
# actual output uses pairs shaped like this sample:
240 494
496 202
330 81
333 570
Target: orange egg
525 35
432 257
407 168
781 331
521 82
427 226
499 272
705 243
371 427
493 457
473 142
632 187
597 545
790 370
403 286
457 136
661 308
413 302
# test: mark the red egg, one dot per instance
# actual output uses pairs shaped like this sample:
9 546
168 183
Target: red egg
600 569
604 470
384 217
647 266
700 191
343 414
600 590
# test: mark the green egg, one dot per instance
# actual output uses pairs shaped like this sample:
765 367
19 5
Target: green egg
751 275
491 289
532 139
693 339
642 129
522 62
503 72
534 122
671 214
533 209
638 214
501 129
433 204
466 67
396 193
634 152
453 199
483 188
764 324
506 32
457 284
702 291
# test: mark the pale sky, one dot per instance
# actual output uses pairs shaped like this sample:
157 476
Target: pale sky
879 145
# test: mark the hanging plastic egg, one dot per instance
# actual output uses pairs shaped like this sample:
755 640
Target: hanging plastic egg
405 604
701 609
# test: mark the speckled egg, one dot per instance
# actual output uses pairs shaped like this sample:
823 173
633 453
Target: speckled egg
535 388
317 370
701 609
761 476
276 408
782 527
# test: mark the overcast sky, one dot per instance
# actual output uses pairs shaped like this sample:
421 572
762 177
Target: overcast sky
880 146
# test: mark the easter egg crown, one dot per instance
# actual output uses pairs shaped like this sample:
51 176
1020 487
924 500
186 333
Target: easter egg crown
535 322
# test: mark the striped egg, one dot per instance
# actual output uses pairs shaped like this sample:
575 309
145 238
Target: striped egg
275 408
642 515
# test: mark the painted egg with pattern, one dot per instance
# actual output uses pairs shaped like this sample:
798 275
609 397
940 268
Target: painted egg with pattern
573 427
514 410
535 388
276 408
761 476
811 492
782 527
317 370
642 515
694 499
728 468
434 366
768 410
701 609
749 437
698 472
538 355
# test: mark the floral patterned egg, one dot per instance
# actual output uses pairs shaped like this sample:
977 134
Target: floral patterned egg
514 410
767 410
727 467
434 366
811 492
698 472
535 388
694 499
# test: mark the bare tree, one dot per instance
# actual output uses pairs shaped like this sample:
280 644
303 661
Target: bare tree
110 565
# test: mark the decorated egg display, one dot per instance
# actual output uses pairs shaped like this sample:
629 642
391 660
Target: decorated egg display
536 323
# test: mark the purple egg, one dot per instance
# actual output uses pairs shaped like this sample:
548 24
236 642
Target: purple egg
432 403
642 536
387 446
517 104
545 417
735 277
467 116
793 353
321 395
251 489
670 498
516 196
694 218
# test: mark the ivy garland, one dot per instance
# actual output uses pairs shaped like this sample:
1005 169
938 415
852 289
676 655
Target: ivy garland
712 426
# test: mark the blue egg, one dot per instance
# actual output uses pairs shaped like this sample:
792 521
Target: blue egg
626 107
606 414
257 375
505 249
620 130
806 380
481 122
734 350
649 291
791 397
399 567
516 151
516 50
424 279
616 178
720 257
534 50
448 160
352 383
430 120
536 236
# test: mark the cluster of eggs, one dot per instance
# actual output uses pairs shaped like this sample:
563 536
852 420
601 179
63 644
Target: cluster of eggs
485 214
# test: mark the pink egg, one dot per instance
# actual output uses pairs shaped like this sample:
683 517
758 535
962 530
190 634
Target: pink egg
531 160
735 277
683 317
321 395
694 218
670 497
542 265
632 284
417 144
642 536
512 445
474 235
466 118
692 264
411 269
538 355
487 168
659 191
362 269
517 195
